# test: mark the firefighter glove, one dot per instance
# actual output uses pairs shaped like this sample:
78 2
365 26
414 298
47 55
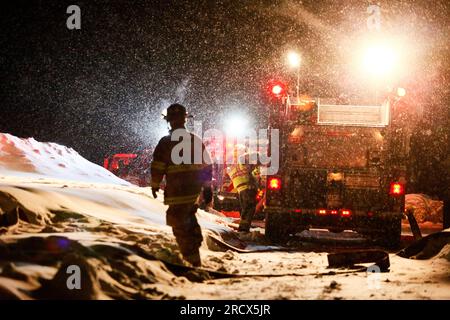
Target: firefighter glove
154 191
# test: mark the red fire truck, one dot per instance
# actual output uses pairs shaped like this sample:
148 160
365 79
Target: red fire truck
132 167
342 167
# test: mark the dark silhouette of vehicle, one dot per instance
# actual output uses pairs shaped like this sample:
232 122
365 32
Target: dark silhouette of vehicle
132 167
342 167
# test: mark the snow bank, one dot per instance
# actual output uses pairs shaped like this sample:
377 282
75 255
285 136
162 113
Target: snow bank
125 206
29 158
434 245
46 181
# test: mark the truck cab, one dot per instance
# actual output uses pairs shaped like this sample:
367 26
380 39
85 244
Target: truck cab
342 167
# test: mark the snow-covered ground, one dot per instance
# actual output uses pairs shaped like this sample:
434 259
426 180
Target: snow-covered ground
58 210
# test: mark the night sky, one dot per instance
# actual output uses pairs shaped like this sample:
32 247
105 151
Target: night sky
101 89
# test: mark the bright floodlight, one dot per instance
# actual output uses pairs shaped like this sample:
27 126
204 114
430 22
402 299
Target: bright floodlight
401 92
294 59
379 60
236 125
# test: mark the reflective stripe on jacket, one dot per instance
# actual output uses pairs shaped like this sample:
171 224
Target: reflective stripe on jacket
240 176
183 181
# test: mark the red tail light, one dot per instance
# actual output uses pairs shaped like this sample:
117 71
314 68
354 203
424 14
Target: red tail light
334 212
346 213
274 184
396 189
322 211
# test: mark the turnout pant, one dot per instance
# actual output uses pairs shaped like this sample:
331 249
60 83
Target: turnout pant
247 200
185 227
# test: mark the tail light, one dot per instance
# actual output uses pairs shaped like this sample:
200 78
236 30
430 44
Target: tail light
346 213
396 189
274 183
334 212
322 211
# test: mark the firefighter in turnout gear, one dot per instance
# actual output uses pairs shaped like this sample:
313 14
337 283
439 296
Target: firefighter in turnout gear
181 157
241 174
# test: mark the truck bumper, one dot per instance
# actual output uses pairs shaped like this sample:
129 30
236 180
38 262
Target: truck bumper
359 221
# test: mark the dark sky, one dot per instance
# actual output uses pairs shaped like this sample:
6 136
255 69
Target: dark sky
101 89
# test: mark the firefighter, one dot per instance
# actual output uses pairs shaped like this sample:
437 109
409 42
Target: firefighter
184 181
241 174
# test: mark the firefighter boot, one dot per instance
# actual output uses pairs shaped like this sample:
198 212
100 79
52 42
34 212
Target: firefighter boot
193 258
247 200
244 226
245 236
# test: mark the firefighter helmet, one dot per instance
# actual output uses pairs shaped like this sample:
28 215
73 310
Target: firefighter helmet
174 111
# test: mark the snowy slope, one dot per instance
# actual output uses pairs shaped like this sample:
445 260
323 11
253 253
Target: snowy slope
44 178
33 159
126 206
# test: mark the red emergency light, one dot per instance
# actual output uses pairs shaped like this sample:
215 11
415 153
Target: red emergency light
346 213
277 89
274 183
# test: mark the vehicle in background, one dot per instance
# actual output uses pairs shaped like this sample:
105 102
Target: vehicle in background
342 167
131 167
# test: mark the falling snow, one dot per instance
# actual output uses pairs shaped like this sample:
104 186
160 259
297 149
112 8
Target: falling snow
102 89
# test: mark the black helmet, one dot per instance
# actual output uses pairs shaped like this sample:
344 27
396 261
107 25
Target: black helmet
175 110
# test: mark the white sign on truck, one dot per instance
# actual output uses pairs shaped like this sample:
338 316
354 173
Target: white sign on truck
353 115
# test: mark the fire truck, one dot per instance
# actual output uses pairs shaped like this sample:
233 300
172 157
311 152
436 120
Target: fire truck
342 167
132 167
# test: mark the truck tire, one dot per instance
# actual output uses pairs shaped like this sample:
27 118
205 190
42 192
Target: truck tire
278 227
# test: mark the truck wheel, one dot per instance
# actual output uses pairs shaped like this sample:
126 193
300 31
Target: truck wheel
278 227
